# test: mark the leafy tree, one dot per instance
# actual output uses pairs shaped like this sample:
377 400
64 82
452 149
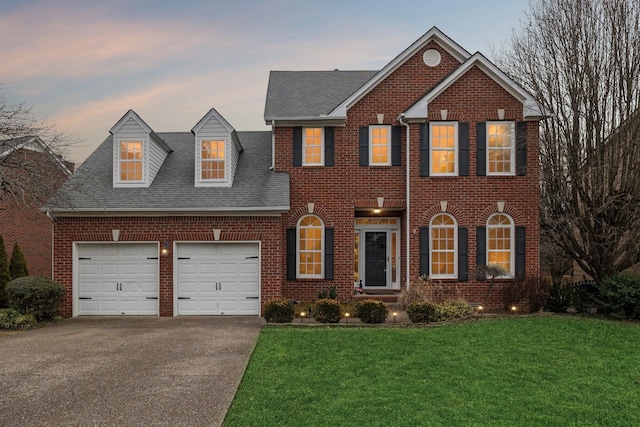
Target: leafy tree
581 62
18 265
4 273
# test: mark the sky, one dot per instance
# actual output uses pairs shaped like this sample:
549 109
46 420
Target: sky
82 64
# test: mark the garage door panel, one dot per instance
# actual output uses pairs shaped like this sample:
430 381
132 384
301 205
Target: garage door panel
119 278
218 278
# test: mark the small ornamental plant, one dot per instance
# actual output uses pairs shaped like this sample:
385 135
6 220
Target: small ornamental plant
327 311
371 311
279 311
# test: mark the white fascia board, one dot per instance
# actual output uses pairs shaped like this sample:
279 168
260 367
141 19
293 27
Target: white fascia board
306 120
419 110
264 211
434 34
130 115
212 113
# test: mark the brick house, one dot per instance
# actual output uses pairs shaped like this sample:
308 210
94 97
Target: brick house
428 166
21 220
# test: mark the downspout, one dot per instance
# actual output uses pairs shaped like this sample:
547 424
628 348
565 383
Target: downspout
53 240
408 201
273 145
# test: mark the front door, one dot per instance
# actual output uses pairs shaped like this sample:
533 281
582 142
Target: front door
376 259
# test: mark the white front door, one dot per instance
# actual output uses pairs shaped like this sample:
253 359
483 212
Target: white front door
217 278
117 278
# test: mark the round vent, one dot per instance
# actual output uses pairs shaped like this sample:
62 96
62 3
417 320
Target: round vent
432 57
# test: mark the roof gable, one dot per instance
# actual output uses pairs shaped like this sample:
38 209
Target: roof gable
132 115
213 115
433 35
33 143
419 110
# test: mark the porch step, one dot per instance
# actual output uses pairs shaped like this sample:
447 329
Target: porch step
389 297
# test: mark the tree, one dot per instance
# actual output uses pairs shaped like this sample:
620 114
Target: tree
581 61
4 273
17 265
23 177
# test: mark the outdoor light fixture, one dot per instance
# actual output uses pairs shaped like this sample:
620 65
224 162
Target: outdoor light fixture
165 248
302 313
394 316
480 308
514 308
347 316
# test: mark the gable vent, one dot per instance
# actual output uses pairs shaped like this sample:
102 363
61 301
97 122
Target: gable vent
432 57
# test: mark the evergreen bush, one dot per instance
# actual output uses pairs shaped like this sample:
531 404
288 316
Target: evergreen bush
371 311
279 311
619 296
327 311
5 277
38 296
18 265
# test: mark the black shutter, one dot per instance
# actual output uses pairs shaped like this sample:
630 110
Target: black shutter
328 253
328 146
297 146
521 254
396 146
291 254
481 253
424 251
364 145
463 147
424 149
463 254
481 147
521 148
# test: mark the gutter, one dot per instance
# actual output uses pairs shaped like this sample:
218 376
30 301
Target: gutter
408 199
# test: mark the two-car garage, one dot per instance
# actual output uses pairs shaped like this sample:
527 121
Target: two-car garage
209 278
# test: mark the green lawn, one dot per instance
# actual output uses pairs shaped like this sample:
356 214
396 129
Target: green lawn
520 371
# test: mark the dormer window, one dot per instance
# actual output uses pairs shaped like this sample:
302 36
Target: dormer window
212 160
131 161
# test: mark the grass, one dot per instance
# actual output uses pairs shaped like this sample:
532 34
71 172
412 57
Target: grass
521 371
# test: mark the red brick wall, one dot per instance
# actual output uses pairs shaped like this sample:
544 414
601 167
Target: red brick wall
149 229
335 191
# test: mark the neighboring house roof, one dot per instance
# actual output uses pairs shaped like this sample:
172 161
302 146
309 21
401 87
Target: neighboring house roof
255 189
309 94
33 143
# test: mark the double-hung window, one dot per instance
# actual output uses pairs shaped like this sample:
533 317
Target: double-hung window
501 140
212 159
500 242
443 246
131 161
444 148
313 147
380 145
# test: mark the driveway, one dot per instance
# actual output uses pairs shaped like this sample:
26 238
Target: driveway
124 371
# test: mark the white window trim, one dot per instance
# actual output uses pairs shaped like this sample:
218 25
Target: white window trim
304 147
211 182
455 247
371 128
512 254
322 250
455 148
512 166
117 169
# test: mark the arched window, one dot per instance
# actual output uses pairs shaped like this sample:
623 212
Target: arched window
500 242
310 247
443 246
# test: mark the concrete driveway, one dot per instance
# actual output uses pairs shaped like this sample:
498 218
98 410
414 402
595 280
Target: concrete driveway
124 371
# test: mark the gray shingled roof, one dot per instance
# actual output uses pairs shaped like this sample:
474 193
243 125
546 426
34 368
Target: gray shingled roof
255 186
310 93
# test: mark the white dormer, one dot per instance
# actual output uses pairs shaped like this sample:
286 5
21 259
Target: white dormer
138 153
217 151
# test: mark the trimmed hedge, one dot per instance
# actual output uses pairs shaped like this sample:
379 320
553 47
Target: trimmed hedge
423 312
371 311
327 311
279 311
38 296
620 296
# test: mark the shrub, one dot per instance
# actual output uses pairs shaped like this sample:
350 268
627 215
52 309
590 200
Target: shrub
11 320
560 298
17 265
620 296
279 311
5 277
327 311
425 289
422 312
328 293
38 296
371 311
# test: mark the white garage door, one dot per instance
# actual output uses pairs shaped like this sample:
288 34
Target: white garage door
117 278
217 278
